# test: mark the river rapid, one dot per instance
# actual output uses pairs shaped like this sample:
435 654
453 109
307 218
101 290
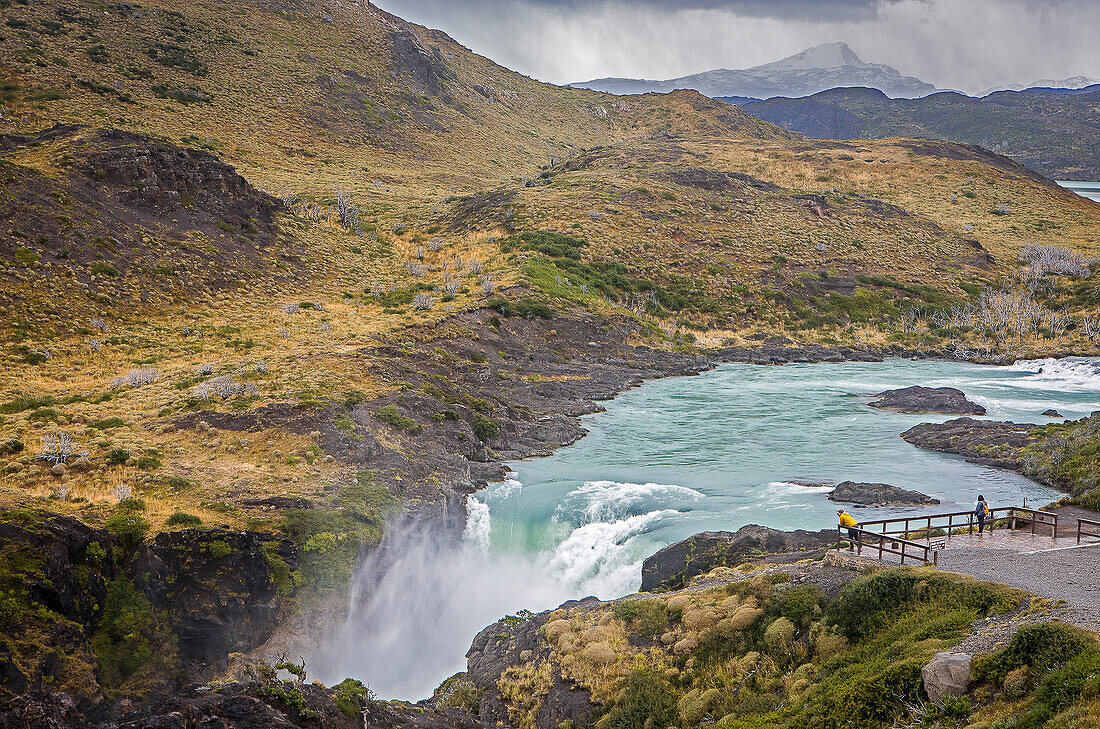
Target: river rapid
667 460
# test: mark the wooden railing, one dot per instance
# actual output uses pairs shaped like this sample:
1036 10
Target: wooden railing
1082 524
885 544
922 527
897 536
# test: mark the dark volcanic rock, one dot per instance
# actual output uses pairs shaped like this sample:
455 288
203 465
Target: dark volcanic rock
878 494
675 565
217 588
917 399
257 705
508 643
1052 413
980 441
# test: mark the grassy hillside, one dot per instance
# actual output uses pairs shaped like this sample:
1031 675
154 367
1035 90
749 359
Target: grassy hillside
1052 134
387 179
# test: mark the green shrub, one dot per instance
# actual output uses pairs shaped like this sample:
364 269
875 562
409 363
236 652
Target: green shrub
1042 647
26 256
390 414
122 644
149 461
217 549
799 604
131 505
646 701
181 519
11 447
128 529
44 415
117 456
485 428
646 617
352 697
868 602
102 268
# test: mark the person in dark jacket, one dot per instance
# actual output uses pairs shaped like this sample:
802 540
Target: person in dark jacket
981 511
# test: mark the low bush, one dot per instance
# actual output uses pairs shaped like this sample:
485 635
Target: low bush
646 617
352 697
390 414
181 519
485 428
128 529
646 701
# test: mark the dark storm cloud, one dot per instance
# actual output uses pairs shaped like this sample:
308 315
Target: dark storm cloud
831 9
955 44
817 9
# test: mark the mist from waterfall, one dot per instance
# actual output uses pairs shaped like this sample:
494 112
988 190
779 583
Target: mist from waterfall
416 602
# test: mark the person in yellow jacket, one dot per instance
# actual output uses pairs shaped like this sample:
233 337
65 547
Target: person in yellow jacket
847 521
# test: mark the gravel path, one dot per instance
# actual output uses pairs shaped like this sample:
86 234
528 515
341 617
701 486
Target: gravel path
1055 570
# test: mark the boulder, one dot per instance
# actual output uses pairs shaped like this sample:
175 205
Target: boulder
878 494
917 399
947 674
1052 413
675 565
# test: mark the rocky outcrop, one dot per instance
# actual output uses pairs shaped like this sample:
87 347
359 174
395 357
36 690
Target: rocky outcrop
514 642
985 442
217 588
675 565
878 494
154 174
917 399
1052 413
947 674
213 591
247 705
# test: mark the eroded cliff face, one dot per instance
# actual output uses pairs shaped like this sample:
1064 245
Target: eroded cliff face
89 614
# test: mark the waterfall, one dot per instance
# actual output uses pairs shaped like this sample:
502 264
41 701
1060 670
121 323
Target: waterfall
418 599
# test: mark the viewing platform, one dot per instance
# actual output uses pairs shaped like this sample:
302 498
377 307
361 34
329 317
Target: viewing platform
1054 554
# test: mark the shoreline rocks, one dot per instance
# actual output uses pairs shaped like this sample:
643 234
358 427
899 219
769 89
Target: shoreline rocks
879 494
918 399
985 442
673 566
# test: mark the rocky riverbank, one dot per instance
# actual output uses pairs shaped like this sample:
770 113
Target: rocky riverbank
986 442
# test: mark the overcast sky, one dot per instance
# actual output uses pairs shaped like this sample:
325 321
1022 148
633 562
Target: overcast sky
961 44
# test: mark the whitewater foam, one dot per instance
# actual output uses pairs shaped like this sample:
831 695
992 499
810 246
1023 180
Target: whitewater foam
1071 374
599 558
605 501
478 524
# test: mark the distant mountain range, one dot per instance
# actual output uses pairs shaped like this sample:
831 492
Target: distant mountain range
1067 85
1052 131
816 69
